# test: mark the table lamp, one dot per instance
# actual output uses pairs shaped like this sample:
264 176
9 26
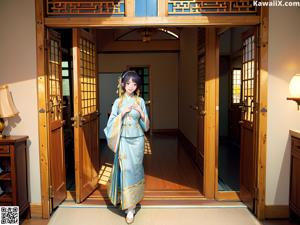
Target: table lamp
7 107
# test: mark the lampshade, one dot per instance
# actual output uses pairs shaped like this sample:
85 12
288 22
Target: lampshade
7 106
295 86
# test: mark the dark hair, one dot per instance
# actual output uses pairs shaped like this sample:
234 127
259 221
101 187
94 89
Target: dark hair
131 74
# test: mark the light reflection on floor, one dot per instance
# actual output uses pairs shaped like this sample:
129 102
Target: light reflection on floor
105 173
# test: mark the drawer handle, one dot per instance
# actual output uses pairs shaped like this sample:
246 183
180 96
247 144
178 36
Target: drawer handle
298 146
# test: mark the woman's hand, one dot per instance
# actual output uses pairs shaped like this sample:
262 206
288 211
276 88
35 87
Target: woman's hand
126 110
138 108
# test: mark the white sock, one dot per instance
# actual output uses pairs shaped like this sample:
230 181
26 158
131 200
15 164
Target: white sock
131 211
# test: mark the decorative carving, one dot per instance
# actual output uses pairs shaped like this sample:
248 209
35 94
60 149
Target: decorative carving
99 7
179 7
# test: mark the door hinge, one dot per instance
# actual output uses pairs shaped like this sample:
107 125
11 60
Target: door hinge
51 194
256 107
46 44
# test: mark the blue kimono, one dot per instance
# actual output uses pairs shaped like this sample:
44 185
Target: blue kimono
125 136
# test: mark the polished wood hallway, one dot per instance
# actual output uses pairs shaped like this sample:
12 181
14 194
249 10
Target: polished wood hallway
170 172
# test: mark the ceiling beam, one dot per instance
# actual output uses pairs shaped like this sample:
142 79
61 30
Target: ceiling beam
152 21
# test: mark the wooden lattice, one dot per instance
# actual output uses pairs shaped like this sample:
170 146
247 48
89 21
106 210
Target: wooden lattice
201 66
178 7
54 79
88 76
99 7
249 71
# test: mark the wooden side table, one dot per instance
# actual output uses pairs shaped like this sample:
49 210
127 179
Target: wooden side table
13 176
294 203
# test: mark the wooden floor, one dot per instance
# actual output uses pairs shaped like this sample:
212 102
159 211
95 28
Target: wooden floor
169 171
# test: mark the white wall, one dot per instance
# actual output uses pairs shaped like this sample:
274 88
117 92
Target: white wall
188 83
284 62
163 78
18 70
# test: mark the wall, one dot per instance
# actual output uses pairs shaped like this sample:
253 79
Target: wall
224 92
284 62
18 70
163 79
107 82
188 83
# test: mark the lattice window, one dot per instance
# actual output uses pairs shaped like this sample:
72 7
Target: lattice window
81 7
143 72
236 86
54 79
178 7
65 78
248 77
88 76
201 67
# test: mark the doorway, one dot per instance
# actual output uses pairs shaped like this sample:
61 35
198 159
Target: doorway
160 77
160 136
238 98
169 166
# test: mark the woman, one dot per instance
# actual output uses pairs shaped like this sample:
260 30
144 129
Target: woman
125 136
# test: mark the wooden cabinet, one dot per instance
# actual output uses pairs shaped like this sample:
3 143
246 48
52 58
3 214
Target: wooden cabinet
295 177
13 176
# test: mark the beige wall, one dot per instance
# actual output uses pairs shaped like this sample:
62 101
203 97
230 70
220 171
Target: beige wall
18 70
163 78
284 62
188 83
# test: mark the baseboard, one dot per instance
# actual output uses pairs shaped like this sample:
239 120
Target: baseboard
36 210
276 211
163 131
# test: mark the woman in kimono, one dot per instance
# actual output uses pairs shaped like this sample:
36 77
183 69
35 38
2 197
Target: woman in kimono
125 136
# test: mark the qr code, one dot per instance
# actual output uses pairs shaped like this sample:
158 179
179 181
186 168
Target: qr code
9 215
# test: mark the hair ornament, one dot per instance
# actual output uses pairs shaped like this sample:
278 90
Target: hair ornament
120 90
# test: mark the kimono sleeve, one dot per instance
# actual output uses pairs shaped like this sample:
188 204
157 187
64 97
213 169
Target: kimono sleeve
113 129
145 124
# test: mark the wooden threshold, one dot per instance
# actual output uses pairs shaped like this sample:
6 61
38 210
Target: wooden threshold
228 195
148 195
203 202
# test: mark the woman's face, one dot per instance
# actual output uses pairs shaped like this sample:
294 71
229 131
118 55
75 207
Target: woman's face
130 87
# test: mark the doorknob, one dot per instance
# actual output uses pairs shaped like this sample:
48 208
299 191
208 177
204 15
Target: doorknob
202 112
74 119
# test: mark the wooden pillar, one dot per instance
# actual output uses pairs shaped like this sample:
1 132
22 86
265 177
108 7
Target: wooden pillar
263 103
210 133
129 8
162 8
42 107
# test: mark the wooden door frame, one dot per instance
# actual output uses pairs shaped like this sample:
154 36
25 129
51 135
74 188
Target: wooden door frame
43 23
228 195
261 128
